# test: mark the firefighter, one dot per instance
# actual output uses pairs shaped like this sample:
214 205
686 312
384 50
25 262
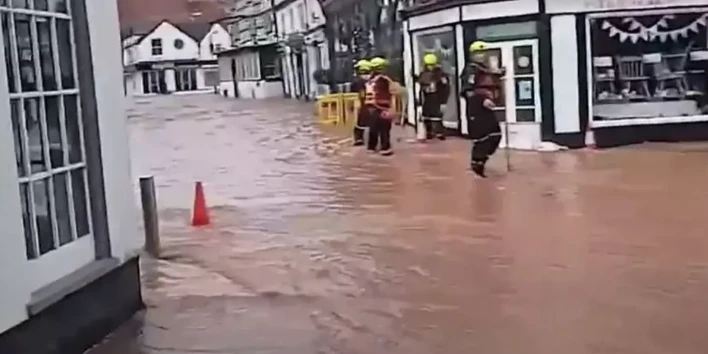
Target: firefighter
434 92
481 88
358 85
378 103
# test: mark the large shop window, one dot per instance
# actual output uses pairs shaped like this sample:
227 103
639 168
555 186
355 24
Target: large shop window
46 123
649 65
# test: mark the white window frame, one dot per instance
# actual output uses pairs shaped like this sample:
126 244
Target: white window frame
156 47
63 259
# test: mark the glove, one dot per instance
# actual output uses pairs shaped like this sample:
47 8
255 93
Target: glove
489 104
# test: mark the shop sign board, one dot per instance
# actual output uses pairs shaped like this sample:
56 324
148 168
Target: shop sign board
575 6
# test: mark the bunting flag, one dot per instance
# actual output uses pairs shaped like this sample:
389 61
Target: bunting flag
659 30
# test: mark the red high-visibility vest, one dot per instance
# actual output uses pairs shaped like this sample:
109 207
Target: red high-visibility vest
377 93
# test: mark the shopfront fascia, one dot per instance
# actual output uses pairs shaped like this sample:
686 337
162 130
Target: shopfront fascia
519 38
642 69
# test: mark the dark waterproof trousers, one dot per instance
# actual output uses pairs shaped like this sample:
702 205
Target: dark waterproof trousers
362 122
379 131
484 131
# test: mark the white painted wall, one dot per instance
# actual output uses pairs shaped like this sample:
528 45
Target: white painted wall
260 89
218 35
566 98
499 9
168 33
21 277
303 16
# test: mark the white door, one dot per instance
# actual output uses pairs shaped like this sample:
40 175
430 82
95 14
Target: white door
520 104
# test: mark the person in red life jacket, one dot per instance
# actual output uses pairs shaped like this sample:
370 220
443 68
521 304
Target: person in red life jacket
358 85
378 103
481 87
434 92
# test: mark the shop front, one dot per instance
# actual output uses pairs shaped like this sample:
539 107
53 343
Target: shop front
515 31
642 69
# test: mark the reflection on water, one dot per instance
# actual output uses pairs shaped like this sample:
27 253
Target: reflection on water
320 248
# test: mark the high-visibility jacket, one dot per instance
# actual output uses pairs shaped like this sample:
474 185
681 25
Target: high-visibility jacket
378 92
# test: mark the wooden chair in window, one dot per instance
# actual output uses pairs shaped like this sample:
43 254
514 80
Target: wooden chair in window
604 78
630 71
673 71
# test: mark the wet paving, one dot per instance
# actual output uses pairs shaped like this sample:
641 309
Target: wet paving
321 248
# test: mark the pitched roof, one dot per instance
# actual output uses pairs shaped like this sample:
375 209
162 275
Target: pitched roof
196 30
140 16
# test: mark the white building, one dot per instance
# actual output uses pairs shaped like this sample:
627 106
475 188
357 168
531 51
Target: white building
250 69
172 57
304 51
622 71
70 236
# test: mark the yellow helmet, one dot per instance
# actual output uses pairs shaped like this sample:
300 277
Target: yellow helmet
430 59
363 65
378 62
478 46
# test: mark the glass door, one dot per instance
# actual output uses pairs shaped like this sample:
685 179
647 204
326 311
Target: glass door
441 42
519 105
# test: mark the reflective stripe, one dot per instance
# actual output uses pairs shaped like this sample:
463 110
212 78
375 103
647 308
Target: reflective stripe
486 137
433 119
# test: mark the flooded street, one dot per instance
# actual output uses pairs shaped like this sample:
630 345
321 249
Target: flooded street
318 247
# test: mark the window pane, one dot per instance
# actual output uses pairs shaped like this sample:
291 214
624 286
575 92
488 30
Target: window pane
524 92
43 208
46 54
56 145
16 117
41 5
9 63
61 198
34 135
73 129
78 183
25 53
523 60
27 222
23 4
526 115
500 114
66 61
57 6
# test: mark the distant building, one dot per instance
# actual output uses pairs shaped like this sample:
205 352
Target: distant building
304 50
70 238
359 29
173 58
250 69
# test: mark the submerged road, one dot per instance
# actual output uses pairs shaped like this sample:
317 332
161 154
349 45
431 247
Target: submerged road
318 247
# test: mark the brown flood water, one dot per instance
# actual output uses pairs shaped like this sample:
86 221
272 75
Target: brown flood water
318 247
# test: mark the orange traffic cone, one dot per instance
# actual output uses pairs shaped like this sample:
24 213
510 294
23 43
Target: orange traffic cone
200 213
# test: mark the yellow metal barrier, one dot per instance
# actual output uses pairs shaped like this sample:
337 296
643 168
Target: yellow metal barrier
350 108
343 108
329 109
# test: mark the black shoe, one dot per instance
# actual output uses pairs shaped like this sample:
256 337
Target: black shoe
358 142
478 169
388 152
441 137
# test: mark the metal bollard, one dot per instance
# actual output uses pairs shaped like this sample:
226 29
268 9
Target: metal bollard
148 198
